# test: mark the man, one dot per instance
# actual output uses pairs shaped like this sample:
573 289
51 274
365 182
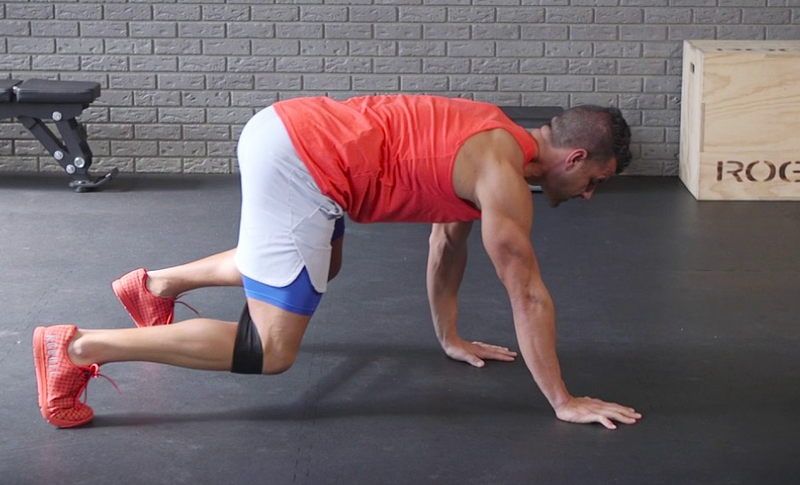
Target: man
304 163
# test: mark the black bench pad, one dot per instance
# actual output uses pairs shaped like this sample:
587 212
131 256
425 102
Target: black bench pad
43 91
6 89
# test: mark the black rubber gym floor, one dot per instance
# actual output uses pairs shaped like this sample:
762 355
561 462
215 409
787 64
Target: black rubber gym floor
687 311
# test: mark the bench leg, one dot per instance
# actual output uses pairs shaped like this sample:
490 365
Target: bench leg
74 154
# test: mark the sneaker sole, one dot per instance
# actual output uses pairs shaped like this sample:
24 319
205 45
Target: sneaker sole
127 303
40 362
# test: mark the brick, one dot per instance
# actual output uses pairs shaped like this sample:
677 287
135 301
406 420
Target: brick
133 115
326 82
422 49
110 130
153 29
671 16
669 50
496 31
470 49
545 99
661 118
446 31
568 49
32 45
114 97
618 84
662 84
643 32
739 32
181 81
372 14
398 32
79 12
424 83
445 66
180 148
57 29
569 83
545 32
717 16
153 63
361 65
182 115
28 11
396 66
473 83
229 115
230 81
572 15
276 13
222 148
617 49
422 14
202 30
599 99
644 134
206 165
239 13
18 164
250 64
250 30
249 99
134 148
348 31
649 67
316 47
689 32
103 29
592 66
276 47
127 12
521 82
229 47
376 48
621 15
520 16
782 32
366 82
158 165
471 14
299 64
495 66
65 63
153 131
202 64
771 16
537 65
323 14
14 28
594 32
176 12
177 46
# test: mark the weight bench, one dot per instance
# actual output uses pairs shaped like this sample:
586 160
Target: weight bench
35 100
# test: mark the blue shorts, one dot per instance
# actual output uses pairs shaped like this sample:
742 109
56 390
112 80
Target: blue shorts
299 296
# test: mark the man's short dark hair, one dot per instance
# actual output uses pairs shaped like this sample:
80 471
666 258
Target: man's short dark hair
602 131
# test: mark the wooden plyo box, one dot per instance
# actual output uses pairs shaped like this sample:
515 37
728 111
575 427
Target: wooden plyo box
740 120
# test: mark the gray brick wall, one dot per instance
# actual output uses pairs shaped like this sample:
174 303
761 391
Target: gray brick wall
181 77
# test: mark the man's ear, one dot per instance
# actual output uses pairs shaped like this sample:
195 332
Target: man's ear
575 157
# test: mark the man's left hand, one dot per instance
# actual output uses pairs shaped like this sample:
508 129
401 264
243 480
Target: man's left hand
474 353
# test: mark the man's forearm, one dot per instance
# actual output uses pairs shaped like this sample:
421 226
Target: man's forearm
446 263
535 327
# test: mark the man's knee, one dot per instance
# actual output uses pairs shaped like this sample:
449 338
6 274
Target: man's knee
251 355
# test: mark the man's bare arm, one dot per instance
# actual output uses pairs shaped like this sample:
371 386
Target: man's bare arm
507 214
447 259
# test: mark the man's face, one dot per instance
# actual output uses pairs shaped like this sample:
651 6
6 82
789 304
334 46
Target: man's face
575 177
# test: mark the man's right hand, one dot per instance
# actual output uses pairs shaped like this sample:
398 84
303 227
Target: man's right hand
590 410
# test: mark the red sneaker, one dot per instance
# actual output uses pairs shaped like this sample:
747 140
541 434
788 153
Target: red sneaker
145 308
60 381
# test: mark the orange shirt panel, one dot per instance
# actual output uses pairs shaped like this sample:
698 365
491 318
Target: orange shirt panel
390 158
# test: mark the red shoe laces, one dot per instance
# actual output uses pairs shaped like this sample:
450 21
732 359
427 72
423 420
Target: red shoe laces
93 372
